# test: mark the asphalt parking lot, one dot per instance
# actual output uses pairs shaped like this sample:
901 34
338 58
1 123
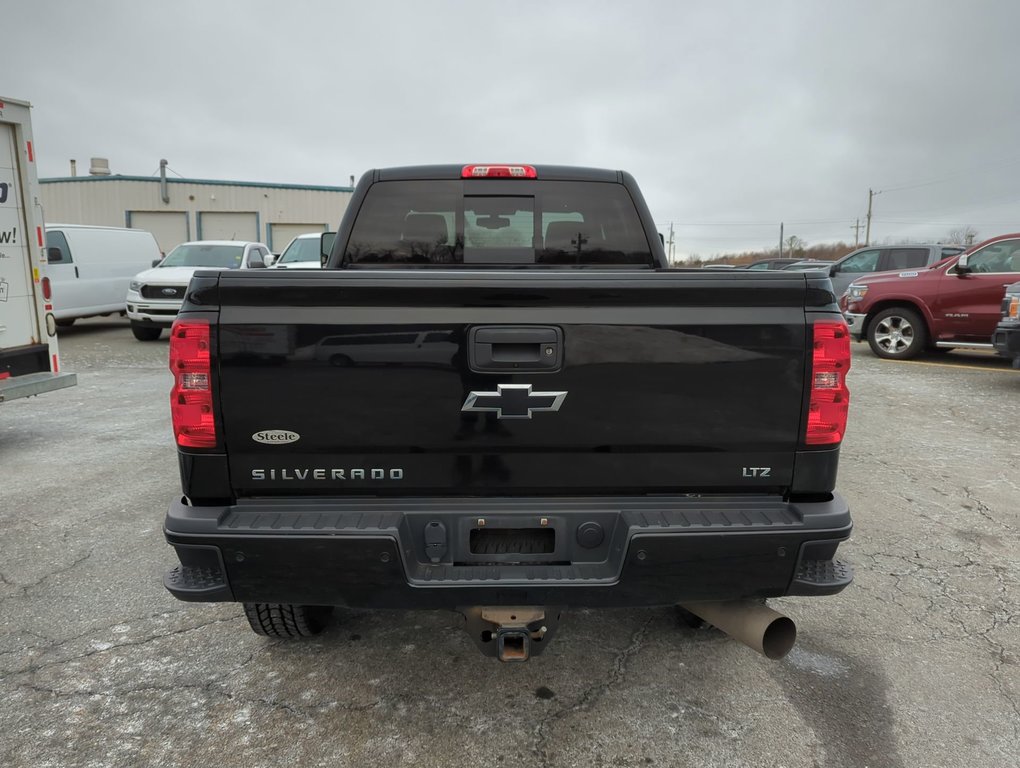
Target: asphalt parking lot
916 664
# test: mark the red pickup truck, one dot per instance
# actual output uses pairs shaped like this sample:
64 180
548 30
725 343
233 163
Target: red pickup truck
954 303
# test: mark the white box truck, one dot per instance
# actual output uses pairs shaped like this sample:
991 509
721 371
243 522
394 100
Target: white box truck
29 362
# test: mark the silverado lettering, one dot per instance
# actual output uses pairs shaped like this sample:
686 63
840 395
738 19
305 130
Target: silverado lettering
693 464
331 474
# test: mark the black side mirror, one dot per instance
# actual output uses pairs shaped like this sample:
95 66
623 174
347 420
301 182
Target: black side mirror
963 266
325 246
157 262
255 261
833 270
54 255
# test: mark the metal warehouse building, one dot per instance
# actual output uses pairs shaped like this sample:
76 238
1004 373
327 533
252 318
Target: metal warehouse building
176 210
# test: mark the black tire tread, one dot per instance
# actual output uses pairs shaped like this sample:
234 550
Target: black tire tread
286 620
146 332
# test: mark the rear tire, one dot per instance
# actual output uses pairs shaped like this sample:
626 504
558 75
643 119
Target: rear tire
897 333
146 332
67 322
287 621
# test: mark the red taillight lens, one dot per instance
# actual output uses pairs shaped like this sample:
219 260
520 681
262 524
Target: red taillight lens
498 172
830 398
47 289
191 405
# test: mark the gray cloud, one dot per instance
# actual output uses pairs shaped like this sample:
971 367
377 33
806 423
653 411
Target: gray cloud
733 116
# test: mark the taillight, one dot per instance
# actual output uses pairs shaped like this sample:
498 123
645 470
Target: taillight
498 172
830 398
47 289
191 404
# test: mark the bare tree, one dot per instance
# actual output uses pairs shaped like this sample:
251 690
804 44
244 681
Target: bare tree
795 246
961 235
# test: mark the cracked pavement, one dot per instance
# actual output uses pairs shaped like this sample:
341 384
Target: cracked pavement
916 664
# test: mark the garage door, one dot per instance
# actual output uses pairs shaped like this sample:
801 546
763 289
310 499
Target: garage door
170 228
228 226
281 234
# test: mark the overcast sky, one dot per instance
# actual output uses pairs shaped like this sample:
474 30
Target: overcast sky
733 116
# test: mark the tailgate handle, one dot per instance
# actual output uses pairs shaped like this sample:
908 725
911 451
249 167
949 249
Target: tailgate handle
515 348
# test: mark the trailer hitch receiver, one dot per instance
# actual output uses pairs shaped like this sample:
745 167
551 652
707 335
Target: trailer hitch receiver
510 633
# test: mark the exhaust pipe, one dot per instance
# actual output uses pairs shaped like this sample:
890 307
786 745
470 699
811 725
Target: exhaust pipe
754 624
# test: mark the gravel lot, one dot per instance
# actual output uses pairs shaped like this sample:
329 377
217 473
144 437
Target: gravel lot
916 664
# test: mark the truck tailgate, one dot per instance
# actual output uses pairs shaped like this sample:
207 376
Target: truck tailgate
406 381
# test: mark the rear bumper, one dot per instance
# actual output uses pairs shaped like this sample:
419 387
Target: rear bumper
417 553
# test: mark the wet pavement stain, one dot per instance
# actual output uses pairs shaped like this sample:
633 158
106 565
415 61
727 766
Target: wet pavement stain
844 701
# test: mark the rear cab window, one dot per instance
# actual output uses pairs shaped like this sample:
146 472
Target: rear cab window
497 223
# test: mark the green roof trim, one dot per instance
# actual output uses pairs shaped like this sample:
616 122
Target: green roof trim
210 182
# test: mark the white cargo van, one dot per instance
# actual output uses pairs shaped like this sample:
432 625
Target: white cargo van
90 267
29 363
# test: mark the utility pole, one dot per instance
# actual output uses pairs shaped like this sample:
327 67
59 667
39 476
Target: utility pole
670 251
857 233
867 231
780 239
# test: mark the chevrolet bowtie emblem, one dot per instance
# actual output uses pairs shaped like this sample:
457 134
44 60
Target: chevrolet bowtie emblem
514 401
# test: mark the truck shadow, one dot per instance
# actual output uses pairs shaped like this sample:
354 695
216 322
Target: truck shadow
93 326
844 700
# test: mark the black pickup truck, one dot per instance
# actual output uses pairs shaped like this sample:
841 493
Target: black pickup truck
497 399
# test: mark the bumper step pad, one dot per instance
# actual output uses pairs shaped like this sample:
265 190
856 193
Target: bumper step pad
197 584
821 577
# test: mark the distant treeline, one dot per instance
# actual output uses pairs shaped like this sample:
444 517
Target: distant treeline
825 252
795 248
